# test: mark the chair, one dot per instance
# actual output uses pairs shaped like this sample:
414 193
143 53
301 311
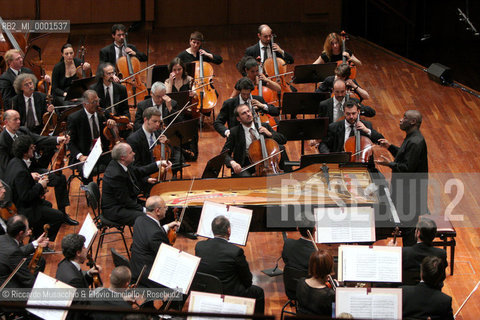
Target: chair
446 232
290 279
205 282
118 259
103 224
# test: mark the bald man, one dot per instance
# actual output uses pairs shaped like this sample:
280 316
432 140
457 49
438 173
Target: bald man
263 48
409 182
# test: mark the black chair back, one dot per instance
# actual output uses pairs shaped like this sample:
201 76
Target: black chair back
118 259
204 282
290 279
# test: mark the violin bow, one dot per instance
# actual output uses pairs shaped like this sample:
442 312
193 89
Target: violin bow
20 264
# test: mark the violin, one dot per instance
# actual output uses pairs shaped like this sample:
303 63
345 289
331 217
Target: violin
112 135
277 68
97 281
161 152
172 233
206 94
49 119
58 160
33 265
129 67
353 68
261 151
360 146
82 74
8 211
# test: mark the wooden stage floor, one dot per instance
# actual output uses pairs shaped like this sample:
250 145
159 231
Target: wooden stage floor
450 126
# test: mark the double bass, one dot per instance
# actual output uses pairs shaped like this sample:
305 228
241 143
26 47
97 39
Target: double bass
203 86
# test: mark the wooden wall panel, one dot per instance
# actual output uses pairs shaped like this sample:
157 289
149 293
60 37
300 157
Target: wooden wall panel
265 11
187 13
18 10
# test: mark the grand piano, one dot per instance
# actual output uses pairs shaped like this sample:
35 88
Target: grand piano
283 202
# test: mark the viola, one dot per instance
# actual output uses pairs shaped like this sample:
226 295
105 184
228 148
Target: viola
360 146
33 265
277 68
81 74
129 67
97 281
206 94
353 68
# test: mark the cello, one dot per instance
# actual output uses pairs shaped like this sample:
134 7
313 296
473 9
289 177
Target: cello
264 152
353 68
269 96
203 86
129 67
277 68
13 41
360 146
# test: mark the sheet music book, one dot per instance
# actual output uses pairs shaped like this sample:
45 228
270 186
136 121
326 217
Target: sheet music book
344 224
92 158
42 283
173 268
369 303
89 231
369 263
216 303
239 218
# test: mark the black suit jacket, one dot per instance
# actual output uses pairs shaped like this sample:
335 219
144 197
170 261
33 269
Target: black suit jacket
119 94
118 190
227 262
146 240
81 136
40 108
254 51
140 145
296 253
107 54
226 114
149 103
10 255
422 301
6 141
413 256
335 139
26 193
326 109
68 273
236 143
6 85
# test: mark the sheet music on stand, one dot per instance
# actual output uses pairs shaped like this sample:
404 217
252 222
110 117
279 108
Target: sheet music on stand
37 297
344 224
88 230
369 303
217 303
239 218
174 268
369 263
92 158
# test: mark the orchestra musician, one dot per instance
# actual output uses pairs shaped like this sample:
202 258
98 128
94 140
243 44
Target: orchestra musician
12 250
58 181
148 235
340 131
112 52
249 67
240 138
121 185
30 104
228 262
3 202
178 79
195 50
65 71
226 115
409 181
296 252
28 189
332 51
342 72
263 50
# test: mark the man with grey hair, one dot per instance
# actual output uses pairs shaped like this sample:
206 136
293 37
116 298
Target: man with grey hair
228 262
30 104
409 174
161 101
121 185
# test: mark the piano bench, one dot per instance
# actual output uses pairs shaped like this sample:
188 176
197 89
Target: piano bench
446 232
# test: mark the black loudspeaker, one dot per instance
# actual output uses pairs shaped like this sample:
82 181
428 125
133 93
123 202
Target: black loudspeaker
440 73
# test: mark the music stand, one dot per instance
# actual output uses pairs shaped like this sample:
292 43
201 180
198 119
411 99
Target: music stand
78 87
180 133
302 102
63 117
313 73
334 157
190 69
214 165
303 129
159 73
181 97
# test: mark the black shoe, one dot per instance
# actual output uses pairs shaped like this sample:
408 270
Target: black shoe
189 235
70 221
48 250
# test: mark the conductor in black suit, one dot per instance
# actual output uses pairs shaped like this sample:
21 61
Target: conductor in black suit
228 262
340 131
296 252
121 185
12 250
426 300
112 52
242 136
263 48
227 114
28 189
30 104
148 235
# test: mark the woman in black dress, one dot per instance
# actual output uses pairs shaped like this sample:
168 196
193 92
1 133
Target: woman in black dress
178 80
332 51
